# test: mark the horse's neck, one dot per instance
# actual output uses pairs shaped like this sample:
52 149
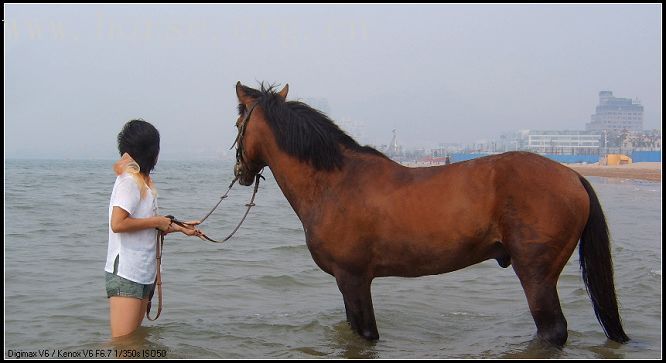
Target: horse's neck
301 184
309 190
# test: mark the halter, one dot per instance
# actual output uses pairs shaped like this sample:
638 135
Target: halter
239 140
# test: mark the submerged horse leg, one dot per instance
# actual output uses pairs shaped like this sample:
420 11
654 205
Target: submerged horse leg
358 304
545 308
347 311
538 276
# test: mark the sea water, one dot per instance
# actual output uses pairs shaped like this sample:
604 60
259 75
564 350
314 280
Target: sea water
260 295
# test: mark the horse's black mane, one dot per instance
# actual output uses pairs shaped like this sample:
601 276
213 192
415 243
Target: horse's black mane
304 132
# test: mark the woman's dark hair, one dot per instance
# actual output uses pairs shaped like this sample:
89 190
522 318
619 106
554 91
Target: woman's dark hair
141 141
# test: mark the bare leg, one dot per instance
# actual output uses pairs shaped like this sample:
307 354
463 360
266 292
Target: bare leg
125 314
144 307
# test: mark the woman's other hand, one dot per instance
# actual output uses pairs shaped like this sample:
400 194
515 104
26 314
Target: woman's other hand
163 224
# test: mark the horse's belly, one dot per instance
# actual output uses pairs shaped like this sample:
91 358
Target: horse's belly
410 259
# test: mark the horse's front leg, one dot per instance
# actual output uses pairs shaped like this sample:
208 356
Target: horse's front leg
355 291
348 312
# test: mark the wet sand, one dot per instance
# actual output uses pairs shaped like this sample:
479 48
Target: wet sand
650 171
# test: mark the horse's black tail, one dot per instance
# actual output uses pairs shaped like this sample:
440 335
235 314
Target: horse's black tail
597 269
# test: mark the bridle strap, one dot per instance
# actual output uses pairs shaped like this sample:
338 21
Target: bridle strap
241 128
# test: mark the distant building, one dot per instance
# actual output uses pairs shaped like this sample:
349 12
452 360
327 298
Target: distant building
648 140
513 141
444 149
616 114
563 142
393 149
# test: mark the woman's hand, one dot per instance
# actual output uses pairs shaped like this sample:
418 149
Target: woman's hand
191 232
163 223
188 229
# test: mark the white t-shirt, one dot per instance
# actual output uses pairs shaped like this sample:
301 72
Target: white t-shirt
136 249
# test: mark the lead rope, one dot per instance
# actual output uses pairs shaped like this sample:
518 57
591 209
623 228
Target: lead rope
249 205
224 196
160 242
158 278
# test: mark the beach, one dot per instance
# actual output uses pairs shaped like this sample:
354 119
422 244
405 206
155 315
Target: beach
650 171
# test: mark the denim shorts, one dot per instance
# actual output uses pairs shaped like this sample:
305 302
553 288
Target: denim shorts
119 286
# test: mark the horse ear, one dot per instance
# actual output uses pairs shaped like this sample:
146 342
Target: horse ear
242 95
283 92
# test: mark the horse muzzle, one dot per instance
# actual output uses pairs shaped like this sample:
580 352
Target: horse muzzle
242 174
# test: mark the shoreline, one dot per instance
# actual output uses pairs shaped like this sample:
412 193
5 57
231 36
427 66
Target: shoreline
650 171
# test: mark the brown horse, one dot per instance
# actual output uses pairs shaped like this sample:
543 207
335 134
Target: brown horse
365 216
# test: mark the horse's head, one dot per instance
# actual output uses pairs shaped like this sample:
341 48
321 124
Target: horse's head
249 156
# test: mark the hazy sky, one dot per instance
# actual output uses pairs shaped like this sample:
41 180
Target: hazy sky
74 74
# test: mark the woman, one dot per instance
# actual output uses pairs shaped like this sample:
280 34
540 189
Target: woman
133 223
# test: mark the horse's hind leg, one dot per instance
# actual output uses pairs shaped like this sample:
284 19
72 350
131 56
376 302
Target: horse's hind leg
538 273
358 304
545 308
